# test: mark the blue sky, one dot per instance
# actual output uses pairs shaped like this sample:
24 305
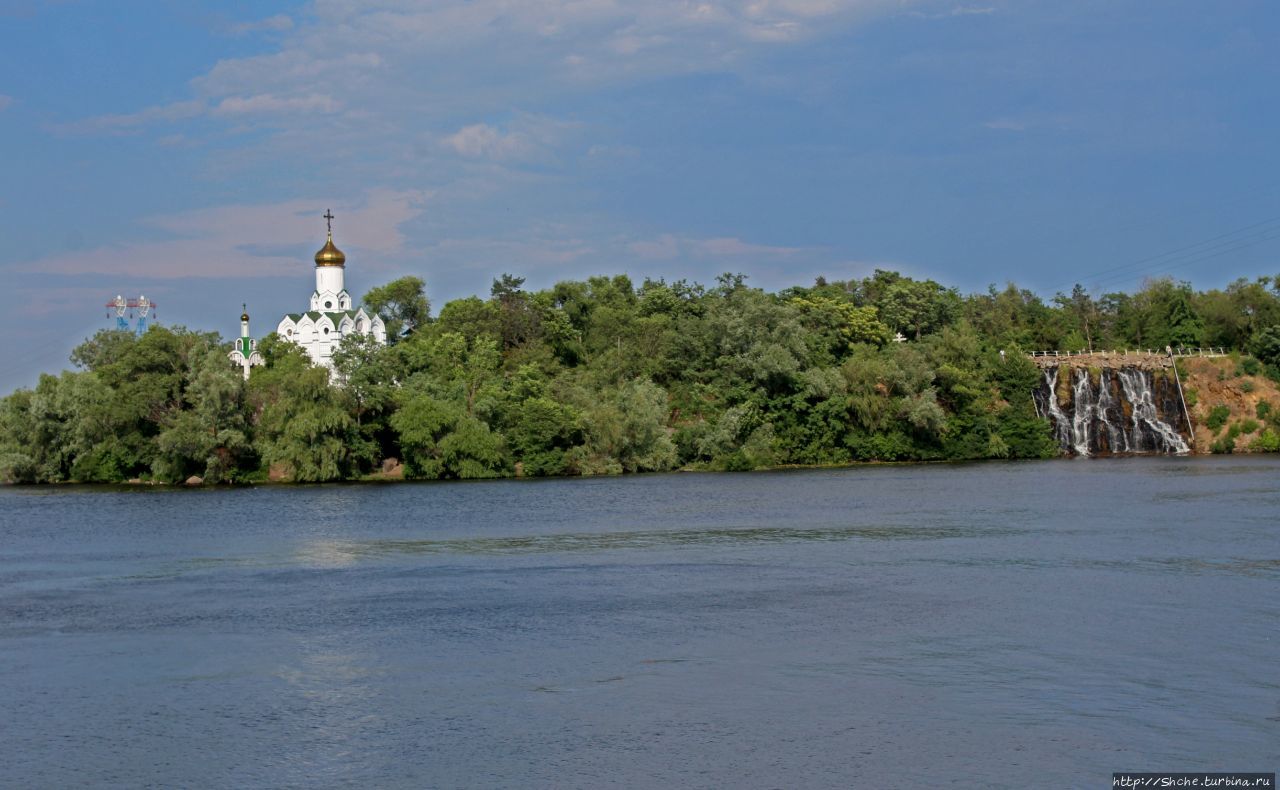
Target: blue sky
187 150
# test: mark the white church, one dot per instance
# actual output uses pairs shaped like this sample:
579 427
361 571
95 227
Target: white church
332 315
319 330
244 352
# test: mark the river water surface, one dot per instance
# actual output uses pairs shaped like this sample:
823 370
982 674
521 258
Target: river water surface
893 626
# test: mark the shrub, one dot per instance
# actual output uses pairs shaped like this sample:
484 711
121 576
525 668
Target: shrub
1246 386
1267 442
17 468
1247 425
1266 345
1218 417
1189 395
1250 366
1262 410
1224 446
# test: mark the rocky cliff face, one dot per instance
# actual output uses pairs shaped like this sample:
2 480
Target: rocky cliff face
1222 384
1114 410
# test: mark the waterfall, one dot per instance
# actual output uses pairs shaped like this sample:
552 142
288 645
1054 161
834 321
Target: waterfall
1118 412
1110 412
1046 400
1082 419
1154 434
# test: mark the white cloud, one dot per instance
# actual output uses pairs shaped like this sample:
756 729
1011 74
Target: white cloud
5 101
483 140
229 107
294 69
957 11
267 103
127 122
527 138
246 241
412 61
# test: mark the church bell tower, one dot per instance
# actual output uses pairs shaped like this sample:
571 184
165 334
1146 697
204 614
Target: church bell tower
331 263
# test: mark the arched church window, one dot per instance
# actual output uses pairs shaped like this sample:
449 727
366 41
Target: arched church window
326 330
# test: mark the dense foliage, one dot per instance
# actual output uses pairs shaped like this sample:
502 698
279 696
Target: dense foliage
603 377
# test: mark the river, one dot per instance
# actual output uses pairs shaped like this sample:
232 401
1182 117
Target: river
992 624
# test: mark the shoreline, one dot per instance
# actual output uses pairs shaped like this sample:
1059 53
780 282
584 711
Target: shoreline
382 480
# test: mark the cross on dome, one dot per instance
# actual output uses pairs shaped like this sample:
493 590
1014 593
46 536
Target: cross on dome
329 254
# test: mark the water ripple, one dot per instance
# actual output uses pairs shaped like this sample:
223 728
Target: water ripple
641 539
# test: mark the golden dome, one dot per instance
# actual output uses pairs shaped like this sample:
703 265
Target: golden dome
329 255
244 316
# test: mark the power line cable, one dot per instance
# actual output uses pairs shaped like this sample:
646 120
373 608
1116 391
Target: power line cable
1223 239
1240 244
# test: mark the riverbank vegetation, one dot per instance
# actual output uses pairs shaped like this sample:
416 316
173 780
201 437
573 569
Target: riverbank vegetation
604 377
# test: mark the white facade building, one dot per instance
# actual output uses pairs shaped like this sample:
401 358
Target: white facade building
332 315
244 353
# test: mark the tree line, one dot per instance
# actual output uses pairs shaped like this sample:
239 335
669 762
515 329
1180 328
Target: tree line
603 377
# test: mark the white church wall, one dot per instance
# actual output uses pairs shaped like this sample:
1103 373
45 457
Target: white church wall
320 335
329 280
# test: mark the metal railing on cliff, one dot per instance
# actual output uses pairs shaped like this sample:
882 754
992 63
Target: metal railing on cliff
1212 351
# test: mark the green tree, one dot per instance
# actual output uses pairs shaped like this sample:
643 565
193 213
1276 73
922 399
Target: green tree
402 304
303 430
210 439
625 431
540 433
421 423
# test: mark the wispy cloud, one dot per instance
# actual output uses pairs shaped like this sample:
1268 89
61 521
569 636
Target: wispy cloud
956 12
272 24
244 241
263 104
266 103
438 58
529 138
120 123
483 140
670 247
5 101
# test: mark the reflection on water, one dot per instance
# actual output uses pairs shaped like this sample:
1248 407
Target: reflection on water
987 624
341 553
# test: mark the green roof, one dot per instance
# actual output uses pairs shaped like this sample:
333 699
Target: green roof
335 316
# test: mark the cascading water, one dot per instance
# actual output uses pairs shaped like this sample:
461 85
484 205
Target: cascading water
1110 413
1155 434
1125 410
1047 406
1082 419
